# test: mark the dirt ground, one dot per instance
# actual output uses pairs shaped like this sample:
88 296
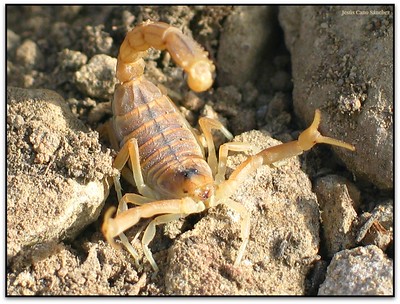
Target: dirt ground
72 50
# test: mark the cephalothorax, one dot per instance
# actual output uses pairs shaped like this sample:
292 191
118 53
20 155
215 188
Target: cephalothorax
174 169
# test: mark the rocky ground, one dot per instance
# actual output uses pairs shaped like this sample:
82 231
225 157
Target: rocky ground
321 223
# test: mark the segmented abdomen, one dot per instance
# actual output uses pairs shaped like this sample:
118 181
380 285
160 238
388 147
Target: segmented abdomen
143 112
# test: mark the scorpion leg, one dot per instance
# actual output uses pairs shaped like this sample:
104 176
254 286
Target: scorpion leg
107 130
223 157
131 150
136 199
206 125
129 247
122 206
128 175
244 227
121 235
150 232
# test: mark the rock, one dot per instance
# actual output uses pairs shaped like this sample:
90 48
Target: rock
29 55
377 226
245 121
246 34
71 60
61 272
229 102
97 78
277 116
281 81
360 271
96 40
228 95
344 66
55 172
338 213
192 102
284 237
13 41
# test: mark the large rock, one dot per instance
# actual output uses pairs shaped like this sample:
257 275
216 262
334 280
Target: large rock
342 63
243 43
337 199
360 271
55 172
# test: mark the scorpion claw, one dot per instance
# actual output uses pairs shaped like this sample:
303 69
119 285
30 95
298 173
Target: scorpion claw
108 228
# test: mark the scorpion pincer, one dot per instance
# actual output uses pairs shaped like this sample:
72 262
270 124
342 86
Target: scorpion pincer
166 155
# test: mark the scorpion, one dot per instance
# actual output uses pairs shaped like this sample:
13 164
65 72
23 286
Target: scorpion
174 166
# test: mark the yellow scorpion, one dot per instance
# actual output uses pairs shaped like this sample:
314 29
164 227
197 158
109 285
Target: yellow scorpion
174 168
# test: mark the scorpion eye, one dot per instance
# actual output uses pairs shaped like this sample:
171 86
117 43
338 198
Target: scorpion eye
188 173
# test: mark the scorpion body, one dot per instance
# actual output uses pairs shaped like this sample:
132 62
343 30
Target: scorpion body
167 156
169 152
